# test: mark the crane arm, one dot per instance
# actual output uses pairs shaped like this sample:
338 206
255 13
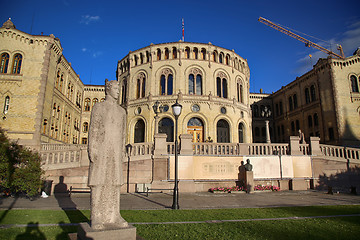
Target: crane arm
307 42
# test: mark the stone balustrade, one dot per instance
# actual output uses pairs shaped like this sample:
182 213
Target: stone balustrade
140 149
265 148
229 149
340 152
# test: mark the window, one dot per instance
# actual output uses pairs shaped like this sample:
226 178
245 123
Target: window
135 60
316 120
94 101
291 106
354 84
307 95
16 67
195 85
240 92
87 105
174 53
227 60
263 132
215 55
166 125
297 125
141 58
166 54
140 86
68 91
221 86
310 121
6 104
312 93
148 56
85 127
84 141
331 134
280 108
195 53
124 92
4 63
139 135
223 131
295 101
241 133
44 126
187 52
221 58
166 82
158 54
61 83
203 53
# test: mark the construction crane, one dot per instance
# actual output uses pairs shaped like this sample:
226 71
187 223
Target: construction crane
308 43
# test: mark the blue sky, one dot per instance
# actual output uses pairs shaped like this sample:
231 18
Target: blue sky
96 34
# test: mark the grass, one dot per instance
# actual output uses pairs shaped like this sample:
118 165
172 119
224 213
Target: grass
326 228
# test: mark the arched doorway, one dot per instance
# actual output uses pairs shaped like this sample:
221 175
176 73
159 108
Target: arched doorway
223 131
195 127
139 133
241 132
166 125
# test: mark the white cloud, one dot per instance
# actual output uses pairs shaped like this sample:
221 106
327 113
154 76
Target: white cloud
97 54
84 49
87 19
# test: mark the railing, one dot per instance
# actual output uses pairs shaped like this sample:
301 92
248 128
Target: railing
140 149
267 149
216 149
304 148
60 153
170 147
340 152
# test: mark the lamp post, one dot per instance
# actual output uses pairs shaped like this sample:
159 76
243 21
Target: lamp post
156 111
176 108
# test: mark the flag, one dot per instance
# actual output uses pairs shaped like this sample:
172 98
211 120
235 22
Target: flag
183 38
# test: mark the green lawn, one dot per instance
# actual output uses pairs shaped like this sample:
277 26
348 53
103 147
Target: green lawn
326 228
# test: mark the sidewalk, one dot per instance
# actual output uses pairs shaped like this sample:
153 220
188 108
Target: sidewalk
206 200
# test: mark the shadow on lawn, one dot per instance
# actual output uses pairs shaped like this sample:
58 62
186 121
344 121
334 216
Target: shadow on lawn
68 206
32 232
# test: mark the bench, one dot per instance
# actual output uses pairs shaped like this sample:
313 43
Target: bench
157 189
78 190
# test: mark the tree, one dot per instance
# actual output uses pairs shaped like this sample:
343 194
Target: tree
20 168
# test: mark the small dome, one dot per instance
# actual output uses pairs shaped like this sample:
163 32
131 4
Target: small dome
8 24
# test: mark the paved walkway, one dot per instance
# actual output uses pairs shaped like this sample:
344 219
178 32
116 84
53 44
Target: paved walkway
204 200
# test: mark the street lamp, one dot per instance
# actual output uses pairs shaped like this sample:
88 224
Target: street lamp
156 111
176 108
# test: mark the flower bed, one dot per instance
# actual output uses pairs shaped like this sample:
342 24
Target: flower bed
266 188
227 189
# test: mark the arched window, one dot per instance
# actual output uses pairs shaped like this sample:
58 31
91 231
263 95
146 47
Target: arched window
195 127
6 104
68 91
139 134
85 127
195 84
166 125
124 92
174 52
187 52
240 92
148 56
195 52
223 131
166 54
44 126
4 63
221 58
102 99
16 67
354 84
203 54
215 56
166 82
158 54
57 79
95 100
312 93
241 133
291 106
135 60
295 101
61 83
307 95
141 58
227 59
310 121
221 85
140 85
87 105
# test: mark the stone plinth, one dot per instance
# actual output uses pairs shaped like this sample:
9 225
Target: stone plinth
249 181
284 185
299 184
85 232
186 144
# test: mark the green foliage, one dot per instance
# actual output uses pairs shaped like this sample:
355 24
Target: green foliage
20 168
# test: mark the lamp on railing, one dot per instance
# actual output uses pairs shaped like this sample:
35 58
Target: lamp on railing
176 108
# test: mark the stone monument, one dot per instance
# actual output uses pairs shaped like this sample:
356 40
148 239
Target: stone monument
249 177
106 153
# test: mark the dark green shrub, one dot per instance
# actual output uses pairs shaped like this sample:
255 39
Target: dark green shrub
20 168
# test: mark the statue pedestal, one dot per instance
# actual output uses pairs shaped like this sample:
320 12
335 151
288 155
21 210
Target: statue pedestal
249 181
85 232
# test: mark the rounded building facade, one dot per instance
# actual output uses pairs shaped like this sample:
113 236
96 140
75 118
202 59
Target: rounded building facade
211 83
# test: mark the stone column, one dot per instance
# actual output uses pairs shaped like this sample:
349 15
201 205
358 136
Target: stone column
268 140
160 166
315 146
160 146
295 146
186 144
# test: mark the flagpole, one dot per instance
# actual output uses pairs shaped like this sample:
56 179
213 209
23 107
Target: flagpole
183 37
